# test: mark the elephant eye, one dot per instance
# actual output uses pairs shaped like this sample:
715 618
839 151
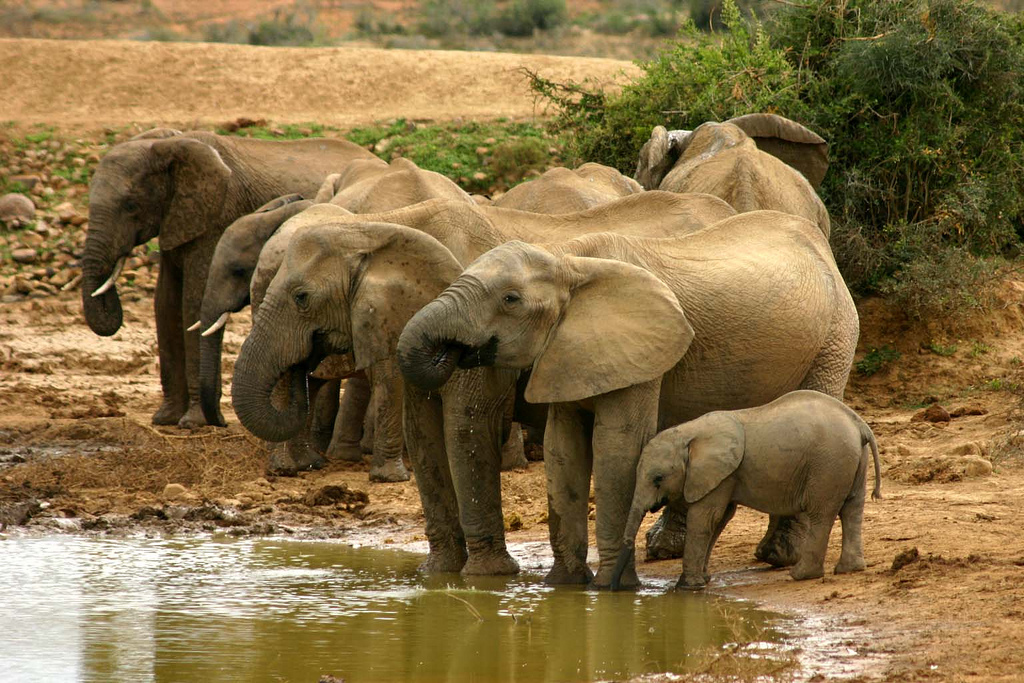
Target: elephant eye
130 206
238 271
301 299
657 480
512 298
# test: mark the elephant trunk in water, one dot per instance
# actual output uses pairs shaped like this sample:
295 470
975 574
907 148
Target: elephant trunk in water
100 268
636 515
257 371
427 351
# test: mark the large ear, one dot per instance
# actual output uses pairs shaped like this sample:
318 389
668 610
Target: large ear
659 155
156 134
798 146
328 189
200 181
402 271
713 454
621 326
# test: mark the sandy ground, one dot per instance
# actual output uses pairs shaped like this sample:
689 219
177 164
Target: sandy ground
77 452
89 85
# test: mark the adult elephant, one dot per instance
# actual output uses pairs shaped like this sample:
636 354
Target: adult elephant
185 188
564 190
375 186
625 336
383 273
754 162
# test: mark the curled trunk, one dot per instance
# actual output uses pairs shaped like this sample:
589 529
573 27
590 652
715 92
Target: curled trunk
103 312
257 370
427 355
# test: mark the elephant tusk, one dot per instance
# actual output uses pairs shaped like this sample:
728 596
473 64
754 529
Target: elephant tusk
221 321
102 289
194 326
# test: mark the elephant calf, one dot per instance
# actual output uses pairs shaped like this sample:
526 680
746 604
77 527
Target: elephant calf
802 454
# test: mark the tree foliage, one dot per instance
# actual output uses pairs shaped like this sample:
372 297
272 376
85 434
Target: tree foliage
922 103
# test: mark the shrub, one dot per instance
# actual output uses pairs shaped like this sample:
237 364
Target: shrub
876 360
922 103
522 17
440 18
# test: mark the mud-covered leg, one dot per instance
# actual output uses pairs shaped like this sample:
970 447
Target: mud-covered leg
388 446
667 536
325 413
811 564
196 265
567 462
348 427
423 424
170 340
780 546
297 455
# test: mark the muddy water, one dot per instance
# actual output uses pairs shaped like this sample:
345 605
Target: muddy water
78 609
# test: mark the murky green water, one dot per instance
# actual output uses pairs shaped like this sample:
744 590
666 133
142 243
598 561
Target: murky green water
77 609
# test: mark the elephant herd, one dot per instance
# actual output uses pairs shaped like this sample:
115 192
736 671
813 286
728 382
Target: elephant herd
593 309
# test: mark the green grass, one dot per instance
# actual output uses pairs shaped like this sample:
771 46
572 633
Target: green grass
978 349
876 360
942 349
285 131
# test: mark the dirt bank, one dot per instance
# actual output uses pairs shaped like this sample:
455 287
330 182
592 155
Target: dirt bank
89 85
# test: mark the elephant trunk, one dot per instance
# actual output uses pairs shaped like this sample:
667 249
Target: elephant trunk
428 352
628 551
257 371
100 302
209 374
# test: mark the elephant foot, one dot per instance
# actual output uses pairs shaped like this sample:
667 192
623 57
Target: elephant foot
284 462
168 413
779 546
809 570
491 564
320 440
344 451
691 583
391 470
666 538
444 561
603 580
512 455
560 575
194 418
850 565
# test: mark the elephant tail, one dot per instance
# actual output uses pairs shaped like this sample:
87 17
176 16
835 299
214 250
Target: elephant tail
868 439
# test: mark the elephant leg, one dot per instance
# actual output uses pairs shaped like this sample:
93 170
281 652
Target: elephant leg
348 427
474 409
324 415
388 446
170 335
513 455
705 520
730 510
624 421
852 516
196 258
811 562
667 536
422 419
568 459
781 542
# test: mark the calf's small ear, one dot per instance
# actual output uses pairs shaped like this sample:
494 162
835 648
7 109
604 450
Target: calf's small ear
713 455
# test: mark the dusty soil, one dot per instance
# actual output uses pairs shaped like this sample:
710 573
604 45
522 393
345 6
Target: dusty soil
77 452
90 85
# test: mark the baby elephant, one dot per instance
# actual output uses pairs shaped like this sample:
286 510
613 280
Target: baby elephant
803 454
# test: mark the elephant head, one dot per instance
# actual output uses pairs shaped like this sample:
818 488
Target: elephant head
227 286
586 326
678 467
794 144
160 183
341 288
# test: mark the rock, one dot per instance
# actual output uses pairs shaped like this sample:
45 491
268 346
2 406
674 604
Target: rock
26 181
903 558
174 491
479 175
24 255
975 466
337 494
933 413
32 239
65 212
968 410
17 514
15 207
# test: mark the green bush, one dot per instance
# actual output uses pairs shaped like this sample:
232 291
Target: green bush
922 104
289 27
522 17
440 18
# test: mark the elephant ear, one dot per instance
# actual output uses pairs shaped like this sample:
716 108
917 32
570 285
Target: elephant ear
402 270
798 146
280 202
621 326
659 155
712 455
328 189
156 134
199 178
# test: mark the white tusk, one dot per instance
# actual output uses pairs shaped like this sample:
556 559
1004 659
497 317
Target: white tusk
195 326
102 289
221 321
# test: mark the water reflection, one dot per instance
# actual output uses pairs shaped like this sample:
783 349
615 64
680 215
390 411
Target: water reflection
76 609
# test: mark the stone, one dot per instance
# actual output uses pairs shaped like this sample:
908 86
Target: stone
968 410
16 207
174 491
933 413
24 255
65 211
903 558
975 466
26 181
